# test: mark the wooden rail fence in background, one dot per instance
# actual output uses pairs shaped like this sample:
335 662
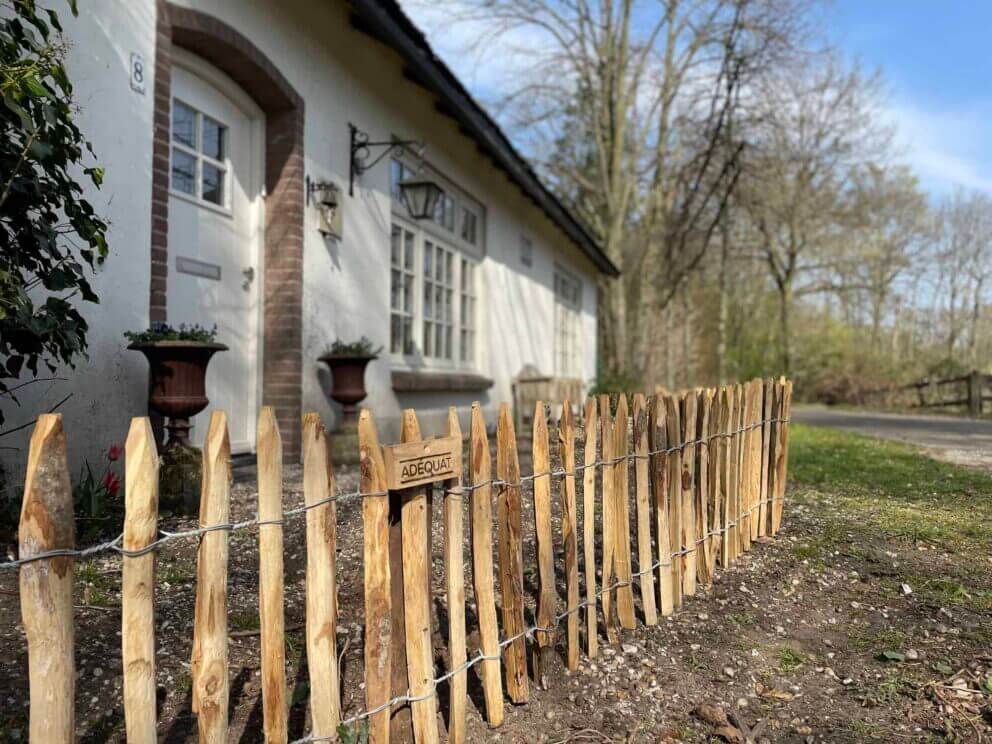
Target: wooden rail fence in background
708 482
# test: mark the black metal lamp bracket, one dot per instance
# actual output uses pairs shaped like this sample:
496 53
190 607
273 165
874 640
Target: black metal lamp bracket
361 151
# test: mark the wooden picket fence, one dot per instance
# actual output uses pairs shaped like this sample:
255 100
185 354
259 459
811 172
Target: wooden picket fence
709 468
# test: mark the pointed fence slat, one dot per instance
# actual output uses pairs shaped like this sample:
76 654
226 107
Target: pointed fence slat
713 480
659 499
210 673
46 585
543 653
609 516
642 501
138 582
767 399
726 476
482 566
569 530
781 452
621 487
589 525
511 569
378 600
673 423
321 581
688 532
703 574
416 577
454 574
270 579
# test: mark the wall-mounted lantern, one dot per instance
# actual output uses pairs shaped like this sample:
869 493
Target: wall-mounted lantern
420 195
326 196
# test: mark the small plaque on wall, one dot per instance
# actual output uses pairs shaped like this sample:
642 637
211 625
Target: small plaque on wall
418 463
197 268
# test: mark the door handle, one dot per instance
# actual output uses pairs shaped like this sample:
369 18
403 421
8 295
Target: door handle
249 275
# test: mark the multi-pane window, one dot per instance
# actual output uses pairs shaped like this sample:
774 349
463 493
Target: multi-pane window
439 291
198 164
434 287
467 312
401 292
526 251
568 306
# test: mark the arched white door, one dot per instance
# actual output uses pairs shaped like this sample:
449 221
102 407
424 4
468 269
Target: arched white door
215 225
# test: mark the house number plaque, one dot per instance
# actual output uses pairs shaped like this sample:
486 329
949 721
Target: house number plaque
418 463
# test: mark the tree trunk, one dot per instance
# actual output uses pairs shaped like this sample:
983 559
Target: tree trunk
785 300
721 322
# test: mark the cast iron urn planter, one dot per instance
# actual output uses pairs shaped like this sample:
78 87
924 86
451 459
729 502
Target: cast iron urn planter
348 386
177 371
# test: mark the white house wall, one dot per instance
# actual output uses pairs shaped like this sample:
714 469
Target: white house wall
343 76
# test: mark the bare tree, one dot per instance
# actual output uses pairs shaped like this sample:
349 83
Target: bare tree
816 124
625 107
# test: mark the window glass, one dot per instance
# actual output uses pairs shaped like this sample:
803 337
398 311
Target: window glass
214 134
183 124
183 172
213 184
469 226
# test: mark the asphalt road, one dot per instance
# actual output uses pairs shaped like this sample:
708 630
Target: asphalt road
963 440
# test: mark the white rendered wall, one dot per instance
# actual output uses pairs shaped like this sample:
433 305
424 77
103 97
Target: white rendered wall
344 76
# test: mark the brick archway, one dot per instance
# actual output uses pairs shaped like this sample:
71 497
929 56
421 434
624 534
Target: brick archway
282 290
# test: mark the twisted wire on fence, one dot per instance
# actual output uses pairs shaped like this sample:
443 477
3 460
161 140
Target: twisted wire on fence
114 545
528 632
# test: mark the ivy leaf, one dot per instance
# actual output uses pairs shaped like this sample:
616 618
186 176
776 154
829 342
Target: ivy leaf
33 87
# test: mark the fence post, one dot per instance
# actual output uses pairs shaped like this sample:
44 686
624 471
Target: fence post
543 648
138 582
713 479
210 677
378 601
511 570
482 566
641 476
975 383
727 404
270 578
46 585
321 587
589 524
621 490
454 573
569 528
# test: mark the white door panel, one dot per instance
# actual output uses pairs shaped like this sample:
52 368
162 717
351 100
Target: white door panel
214 224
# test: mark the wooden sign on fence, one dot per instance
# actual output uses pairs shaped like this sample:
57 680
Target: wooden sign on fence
413 464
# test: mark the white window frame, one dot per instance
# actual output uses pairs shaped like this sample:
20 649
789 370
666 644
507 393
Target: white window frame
199 158
567 346
419 359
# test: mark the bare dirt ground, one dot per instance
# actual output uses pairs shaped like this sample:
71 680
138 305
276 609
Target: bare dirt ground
869 618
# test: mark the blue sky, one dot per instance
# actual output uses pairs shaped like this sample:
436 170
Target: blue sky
935 57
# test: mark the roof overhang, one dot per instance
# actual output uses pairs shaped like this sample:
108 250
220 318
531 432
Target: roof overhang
385 21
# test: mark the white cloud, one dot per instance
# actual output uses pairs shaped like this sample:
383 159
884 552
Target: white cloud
946 147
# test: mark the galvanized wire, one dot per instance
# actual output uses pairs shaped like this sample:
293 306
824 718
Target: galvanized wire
115 545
